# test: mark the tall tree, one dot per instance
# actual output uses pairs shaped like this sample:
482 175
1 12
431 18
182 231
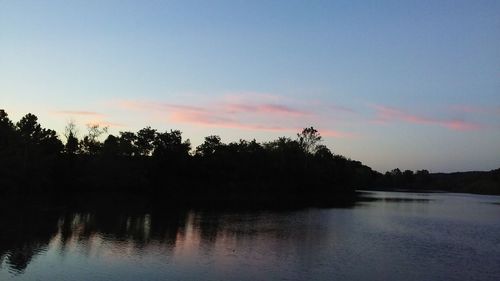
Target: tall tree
49 142
29 129
170 145
309 139
145 141
90 143
70 133
7 130
127 141
209 146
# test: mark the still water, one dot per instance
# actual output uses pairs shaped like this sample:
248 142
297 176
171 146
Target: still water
388 236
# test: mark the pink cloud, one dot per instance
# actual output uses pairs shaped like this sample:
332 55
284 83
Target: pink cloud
217 121
159 106
280 109
77 112
90 117
386 114
103 123
213 120
200 118
237 114
266 108
336 134
460 125
230 109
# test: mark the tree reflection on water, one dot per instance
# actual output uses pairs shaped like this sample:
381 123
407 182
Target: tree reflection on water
117 232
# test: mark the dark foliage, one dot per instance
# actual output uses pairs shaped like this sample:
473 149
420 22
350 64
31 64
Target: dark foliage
422 180
164 165
34 160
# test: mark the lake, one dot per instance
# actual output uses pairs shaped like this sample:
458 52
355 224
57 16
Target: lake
385 236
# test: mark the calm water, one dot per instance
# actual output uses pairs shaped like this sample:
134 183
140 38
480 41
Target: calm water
391 236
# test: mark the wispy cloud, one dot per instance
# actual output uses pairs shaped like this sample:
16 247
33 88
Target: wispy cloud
337 134
221 115
203 119
222 107
77 113
104 123
385 114
234 112
89 117
266 108
199 117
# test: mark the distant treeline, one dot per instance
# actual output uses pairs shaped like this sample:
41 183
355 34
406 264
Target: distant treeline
35 160
468 182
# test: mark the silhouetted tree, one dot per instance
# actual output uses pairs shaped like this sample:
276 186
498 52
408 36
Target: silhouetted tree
9 153
29 129
34 158
127 142
323 152
49 142
284 144
209 146
90 143
111 146
7 130
170 145
72 145
308 139
145 141
396 172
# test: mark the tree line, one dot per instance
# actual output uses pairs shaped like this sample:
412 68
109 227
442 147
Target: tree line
35 159
484 182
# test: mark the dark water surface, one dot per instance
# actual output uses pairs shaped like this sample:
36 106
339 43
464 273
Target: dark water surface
388 236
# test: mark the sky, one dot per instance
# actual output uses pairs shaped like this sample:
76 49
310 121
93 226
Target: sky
408 84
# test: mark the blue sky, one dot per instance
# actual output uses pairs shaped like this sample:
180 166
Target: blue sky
409 84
